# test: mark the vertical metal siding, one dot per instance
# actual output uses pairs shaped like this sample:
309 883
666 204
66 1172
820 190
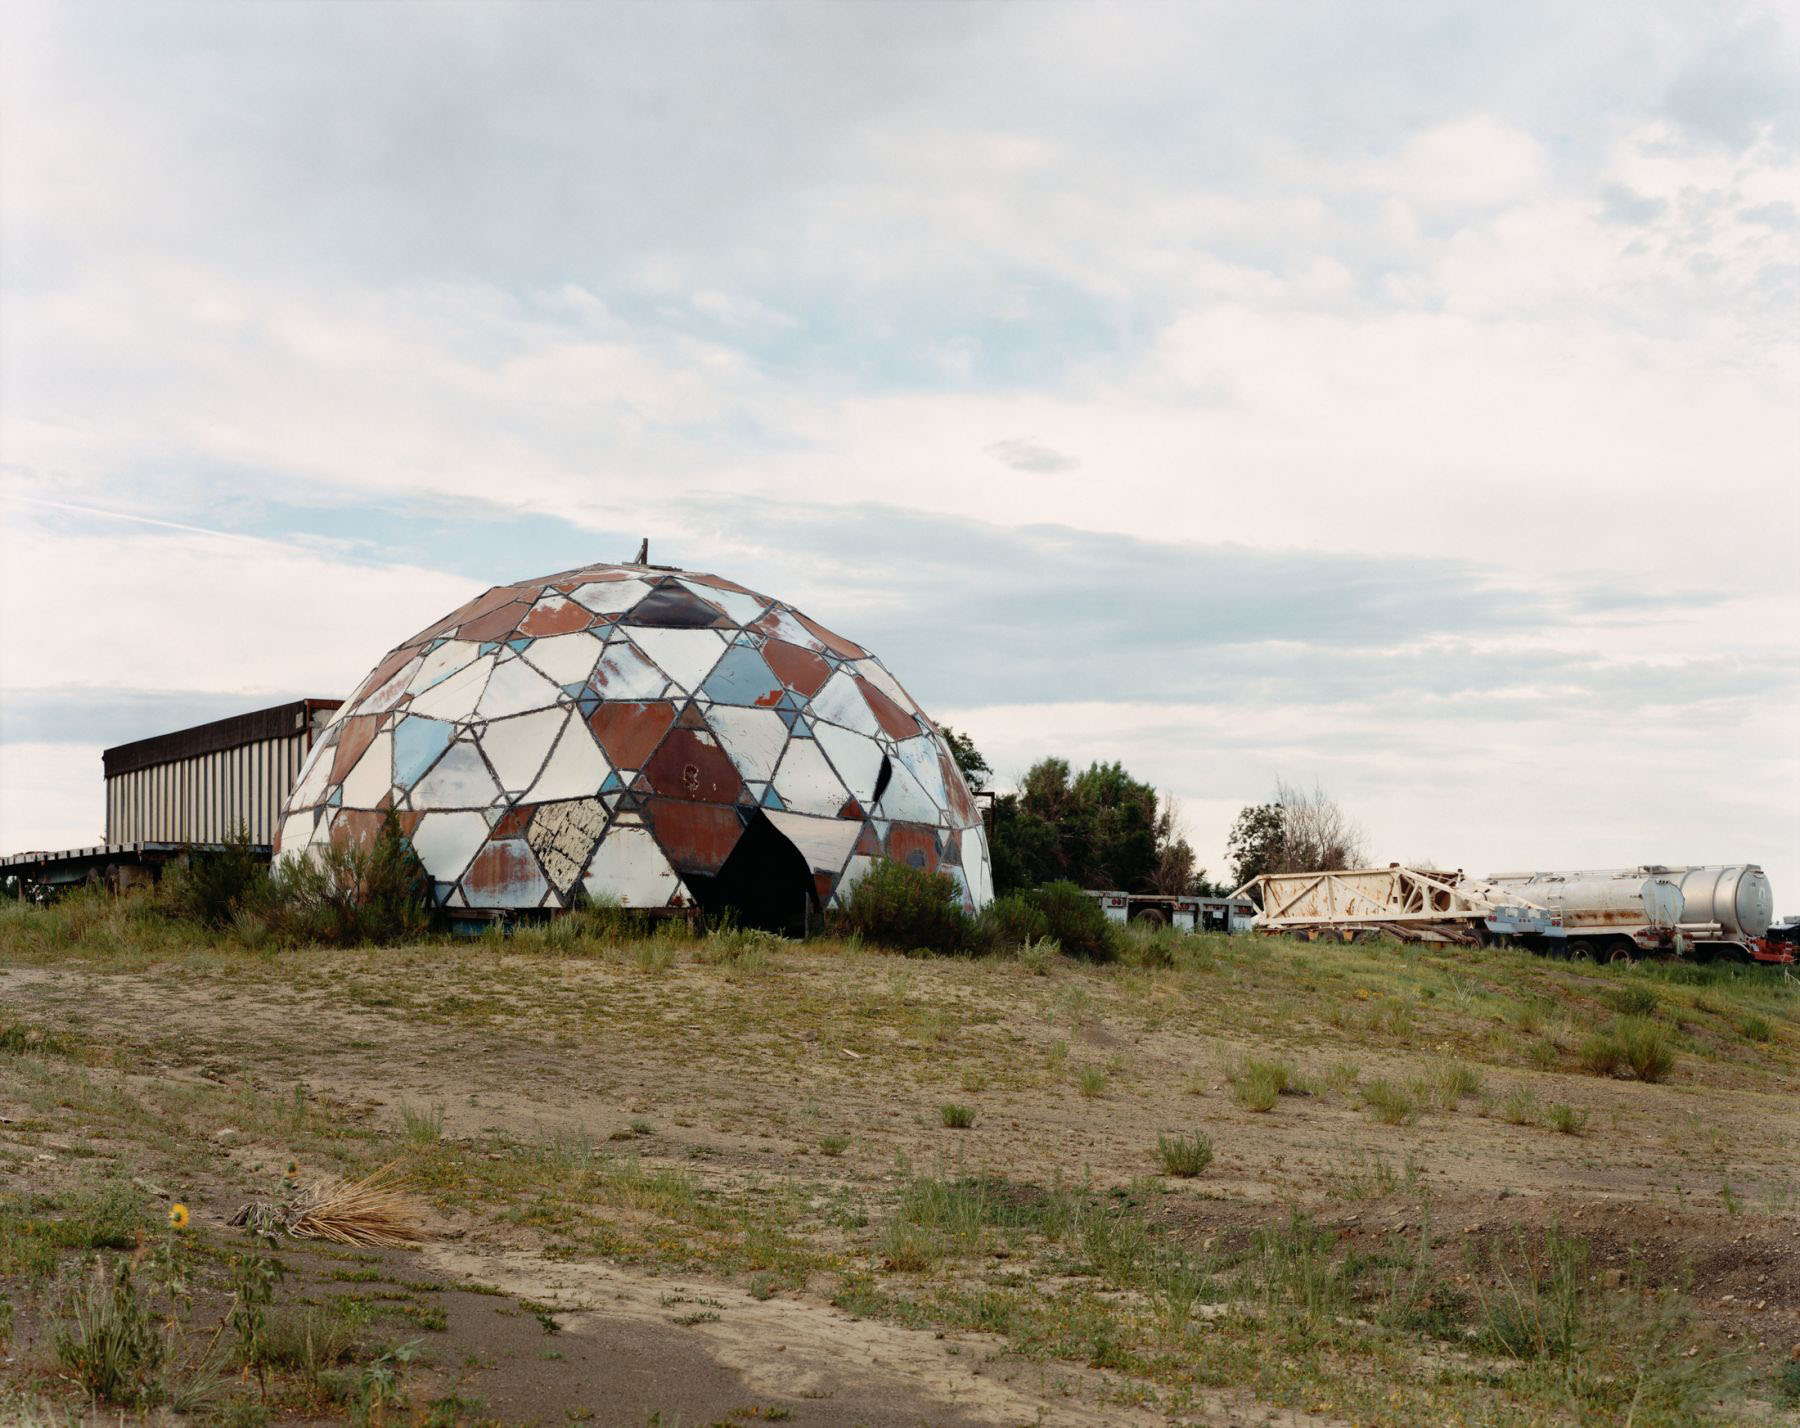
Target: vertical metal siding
202 799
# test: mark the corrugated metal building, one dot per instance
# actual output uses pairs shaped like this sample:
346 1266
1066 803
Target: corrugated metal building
197 785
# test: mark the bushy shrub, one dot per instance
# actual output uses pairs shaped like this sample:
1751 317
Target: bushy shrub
348 892
909 910
1075 920
1012 921
216 888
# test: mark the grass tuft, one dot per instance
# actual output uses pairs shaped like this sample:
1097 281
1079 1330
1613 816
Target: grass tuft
1184 1155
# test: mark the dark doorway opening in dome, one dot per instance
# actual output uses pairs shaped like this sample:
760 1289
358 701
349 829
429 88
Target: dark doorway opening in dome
764 883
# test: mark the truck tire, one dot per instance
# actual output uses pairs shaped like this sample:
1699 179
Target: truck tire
1150 917
1580 950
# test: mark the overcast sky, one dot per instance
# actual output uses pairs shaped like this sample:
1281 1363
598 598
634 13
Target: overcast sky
1398 398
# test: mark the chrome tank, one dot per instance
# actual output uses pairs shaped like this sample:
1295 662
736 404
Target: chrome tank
1737 896
1602 899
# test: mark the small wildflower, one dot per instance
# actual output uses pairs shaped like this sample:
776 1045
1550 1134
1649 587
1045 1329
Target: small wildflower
178 1216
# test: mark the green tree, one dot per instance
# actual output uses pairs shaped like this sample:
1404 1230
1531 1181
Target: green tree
1296 832
975 769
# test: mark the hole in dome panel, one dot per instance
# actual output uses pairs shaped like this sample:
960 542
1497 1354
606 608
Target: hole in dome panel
672 607
764 883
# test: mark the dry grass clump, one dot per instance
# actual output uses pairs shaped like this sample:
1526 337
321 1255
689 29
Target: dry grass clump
373 1212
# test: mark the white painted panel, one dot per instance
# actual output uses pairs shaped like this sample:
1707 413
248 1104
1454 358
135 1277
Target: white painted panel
751 738
373 777
804 781
515 687
921 756
517 747
446 841
824 842
856 757
458 780
842 702
853 874
781 625
904 801
455 696
576 768
565 659
686 656
610 597
978 871
624 673
629 869
443 662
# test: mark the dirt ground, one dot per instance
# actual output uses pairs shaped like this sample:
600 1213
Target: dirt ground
815 1078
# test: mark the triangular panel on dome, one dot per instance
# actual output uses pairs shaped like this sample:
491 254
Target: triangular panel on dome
564 835
691 764
417 743
315 777
446 841
629 869
296 832
856 757
687 656
740 606
610 597
920 755
894 720
514 688
753 738
555 615
915 846
841 702
458 780
456 695
504 874
825 843
743 677
565 659
576 767
876 673
626 673
441 662
806 782
800 669
904 800
518 746
977 868
671 605
779 624
698 837
854 872
373 777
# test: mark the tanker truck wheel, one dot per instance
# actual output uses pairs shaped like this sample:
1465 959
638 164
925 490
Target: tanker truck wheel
1150 917
1581 950
1621 951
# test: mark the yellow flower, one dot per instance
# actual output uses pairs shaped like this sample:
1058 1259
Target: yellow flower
178 1215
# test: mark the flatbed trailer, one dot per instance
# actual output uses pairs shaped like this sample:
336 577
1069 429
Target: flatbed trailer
1185 914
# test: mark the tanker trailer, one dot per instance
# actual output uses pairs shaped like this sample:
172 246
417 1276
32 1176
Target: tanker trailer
1610 915
1729 909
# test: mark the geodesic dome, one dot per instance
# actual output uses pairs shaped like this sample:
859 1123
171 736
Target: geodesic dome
652 736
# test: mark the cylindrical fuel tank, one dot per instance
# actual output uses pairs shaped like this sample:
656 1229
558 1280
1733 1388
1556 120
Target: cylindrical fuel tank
1601 899
1736 896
